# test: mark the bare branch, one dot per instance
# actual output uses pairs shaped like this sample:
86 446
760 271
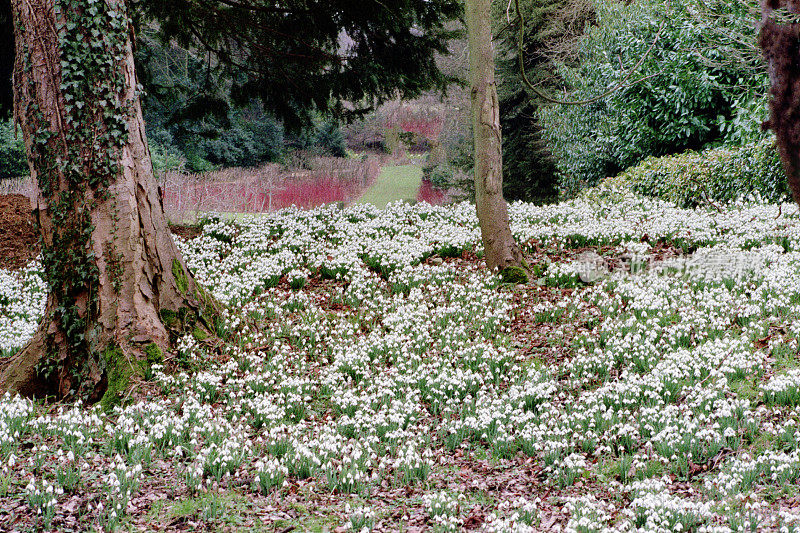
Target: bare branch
622 83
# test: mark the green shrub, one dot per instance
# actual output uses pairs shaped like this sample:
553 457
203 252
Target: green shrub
12 152
392 141
329 139
699 86
166 158
718 175
196 162
440 175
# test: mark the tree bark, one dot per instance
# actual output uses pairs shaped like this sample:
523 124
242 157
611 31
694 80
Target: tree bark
780 44
501 250
109 258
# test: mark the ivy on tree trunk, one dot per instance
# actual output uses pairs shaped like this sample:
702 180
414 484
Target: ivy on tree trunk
112 267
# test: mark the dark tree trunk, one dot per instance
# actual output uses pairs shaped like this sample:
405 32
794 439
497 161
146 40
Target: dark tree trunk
780 43
499 245
112 266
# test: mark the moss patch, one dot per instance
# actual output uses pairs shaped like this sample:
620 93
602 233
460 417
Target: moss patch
199 335
180 276
207 308
153 356
118 374
154 353
170 319
514 275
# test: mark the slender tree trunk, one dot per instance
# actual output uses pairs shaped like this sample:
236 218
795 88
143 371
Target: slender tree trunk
500 248
780 43
113 269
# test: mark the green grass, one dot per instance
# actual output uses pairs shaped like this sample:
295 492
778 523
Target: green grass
394 183
229 508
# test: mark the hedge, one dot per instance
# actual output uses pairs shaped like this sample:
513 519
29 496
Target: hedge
723 174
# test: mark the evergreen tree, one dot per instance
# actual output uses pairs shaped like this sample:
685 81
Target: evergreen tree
313 58
550 26
12 152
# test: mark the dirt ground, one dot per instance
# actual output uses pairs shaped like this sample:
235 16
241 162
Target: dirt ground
19 241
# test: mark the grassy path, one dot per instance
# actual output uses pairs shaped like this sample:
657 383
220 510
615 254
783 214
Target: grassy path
394 183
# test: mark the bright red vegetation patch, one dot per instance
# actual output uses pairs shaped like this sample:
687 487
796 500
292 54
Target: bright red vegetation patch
425 122
310 194
253 196
269 188
431 194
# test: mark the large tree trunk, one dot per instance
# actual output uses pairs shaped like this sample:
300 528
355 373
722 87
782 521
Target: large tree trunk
780 43
500 248
113 269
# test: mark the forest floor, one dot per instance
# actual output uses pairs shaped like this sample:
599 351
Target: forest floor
376 376
18 239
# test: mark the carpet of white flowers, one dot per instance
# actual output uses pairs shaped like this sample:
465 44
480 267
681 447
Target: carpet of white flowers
373 377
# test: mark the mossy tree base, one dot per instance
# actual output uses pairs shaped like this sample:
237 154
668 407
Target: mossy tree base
109 258
48 368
